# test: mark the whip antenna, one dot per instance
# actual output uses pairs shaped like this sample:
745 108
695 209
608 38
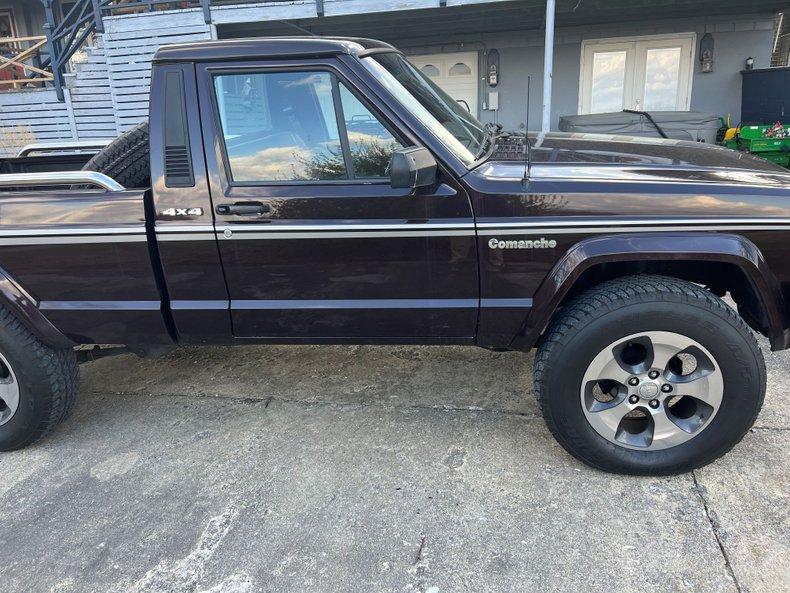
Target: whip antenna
527 147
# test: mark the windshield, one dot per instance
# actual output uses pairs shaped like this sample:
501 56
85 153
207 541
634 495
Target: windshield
453 125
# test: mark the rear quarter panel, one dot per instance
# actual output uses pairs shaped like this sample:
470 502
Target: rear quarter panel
83 258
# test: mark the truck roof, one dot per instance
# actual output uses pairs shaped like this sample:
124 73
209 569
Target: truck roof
265 47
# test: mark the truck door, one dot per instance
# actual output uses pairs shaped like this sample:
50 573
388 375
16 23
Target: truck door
314 242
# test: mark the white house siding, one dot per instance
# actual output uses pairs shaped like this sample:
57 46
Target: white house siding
36 115
33 116
90 96
263 11
521 54
110 95
130 42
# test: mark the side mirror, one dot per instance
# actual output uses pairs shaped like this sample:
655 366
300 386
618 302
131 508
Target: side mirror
411 168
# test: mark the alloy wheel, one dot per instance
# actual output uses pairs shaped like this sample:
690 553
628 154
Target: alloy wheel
652 390
9 391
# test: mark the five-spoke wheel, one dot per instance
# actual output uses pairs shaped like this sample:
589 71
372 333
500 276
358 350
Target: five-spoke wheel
652 390
648 375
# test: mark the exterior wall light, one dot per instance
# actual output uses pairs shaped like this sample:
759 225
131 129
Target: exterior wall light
706 53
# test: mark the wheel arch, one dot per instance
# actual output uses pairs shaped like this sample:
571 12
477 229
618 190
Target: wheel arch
722 262
25 308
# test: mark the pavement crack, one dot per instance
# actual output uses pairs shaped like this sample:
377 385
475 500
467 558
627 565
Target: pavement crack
471 409
418 558
236 399
714 525
419 567
772 428
267 401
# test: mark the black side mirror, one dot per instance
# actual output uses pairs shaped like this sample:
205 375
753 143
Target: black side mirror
411 168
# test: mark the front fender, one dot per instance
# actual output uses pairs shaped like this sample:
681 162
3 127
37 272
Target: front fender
14 298
663 247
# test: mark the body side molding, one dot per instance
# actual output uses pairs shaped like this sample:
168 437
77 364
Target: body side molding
664 247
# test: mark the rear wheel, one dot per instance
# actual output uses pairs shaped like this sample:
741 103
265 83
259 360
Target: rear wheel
125 159
38 385
649 375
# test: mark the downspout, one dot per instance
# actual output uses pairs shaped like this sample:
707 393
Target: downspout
548 65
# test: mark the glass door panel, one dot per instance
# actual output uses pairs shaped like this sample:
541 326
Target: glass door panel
608 81
662 79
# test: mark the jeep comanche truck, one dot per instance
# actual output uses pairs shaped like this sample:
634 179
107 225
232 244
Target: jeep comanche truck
325 191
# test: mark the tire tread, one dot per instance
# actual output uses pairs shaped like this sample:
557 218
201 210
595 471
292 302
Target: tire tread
61 373
610 296
125 159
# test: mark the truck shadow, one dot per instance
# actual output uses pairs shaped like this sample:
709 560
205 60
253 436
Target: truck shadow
392 376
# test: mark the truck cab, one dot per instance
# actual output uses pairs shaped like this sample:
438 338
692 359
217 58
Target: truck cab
286 187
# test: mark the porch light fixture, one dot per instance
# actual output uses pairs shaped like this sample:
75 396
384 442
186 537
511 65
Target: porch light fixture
492 68
706 53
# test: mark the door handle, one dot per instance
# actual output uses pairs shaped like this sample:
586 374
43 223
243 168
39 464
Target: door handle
243 208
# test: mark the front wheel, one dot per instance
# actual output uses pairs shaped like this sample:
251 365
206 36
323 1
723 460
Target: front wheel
649 375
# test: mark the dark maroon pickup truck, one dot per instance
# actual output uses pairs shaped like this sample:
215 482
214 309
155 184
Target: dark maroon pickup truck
316 190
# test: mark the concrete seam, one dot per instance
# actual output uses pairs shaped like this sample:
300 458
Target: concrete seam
715 529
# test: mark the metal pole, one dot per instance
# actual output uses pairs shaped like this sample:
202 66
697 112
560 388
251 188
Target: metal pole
548 65
206 5
97 16
54 50
57 77
50 19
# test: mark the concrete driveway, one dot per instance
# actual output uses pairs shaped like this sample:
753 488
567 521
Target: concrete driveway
370 469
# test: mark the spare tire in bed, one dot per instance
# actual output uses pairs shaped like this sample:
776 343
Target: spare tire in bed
125 159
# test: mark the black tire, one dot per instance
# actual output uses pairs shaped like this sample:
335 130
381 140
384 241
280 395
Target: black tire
125 159
619 308
48 381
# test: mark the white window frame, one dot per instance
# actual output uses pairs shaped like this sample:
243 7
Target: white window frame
635 66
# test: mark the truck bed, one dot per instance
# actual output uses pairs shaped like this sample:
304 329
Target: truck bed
40 158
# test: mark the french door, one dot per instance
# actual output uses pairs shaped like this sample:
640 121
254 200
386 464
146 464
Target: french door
647 74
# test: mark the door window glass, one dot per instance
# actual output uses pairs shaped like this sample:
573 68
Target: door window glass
370 143
280 126
608 81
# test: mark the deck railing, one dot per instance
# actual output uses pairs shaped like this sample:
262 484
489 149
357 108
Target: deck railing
114 7
66 36
20 62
